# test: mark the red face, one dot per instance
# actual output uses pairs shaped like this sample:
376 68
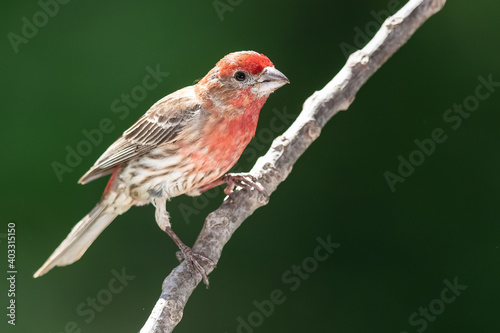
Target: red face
238 80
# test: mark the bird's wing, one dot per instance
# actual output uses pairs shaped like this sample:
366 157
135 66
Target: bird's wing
163 123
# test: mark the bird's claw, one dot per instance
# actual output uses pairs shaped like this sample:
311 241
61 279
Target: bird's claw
244 180
194 258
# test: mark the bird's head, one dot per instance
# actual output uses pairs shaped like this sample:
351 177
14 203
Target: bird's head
240 77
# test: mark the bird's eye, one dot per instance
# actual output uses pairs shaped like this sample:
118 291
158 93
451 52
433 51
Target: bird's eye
240 76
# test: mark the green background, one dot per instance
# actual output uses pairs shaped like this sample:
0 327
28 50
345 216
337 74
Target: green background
396 249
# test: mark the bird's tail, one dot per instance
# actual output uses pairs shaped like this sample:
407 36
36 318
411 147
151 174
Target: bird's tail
79 239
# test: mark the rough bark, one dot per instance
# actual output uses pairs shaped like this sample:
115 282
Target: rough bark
274 167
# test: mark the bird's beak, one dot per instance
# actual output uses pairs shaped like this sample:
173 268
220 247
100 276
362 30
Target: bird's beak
270 79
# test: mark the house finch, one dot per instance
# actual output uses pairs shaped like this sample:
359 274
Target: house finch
184 144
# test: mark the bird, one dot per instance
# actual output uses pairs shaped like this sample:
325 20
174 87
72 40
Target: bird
186 143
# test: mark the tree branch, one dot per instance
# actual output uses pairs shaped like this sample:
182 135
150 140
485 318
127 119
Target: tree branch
274 167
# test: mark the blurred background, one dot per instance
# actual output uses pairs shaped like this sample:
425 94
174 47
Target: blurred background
413 254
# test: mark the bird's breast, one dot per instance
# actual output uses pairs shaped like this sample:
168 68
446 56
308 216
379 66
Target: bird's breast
223 140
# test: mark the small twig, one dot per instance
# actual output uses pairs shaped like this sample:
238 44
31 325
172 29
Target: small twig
274 167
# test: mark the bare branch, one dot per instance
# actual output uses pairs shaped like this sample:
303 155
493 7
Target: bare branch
273 168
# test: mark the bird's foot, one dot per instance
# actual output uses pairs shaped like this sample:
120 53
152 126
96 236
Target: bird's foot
244 180
194 259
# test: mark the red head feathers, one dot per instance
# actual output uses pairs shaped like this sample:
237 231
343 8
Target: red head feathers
249 61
